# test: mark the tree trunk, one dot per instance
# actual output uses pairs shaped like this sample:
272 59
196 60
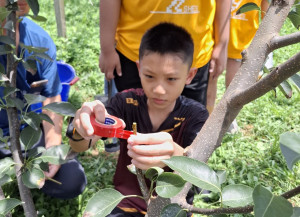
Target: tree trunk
14 129
243 89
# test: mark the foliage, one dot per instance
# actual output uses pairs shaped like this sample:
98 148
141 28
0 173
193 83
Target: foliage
251 157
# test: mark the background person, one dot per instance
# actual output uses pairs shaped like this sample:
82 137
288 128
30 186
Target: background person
71 174
123 22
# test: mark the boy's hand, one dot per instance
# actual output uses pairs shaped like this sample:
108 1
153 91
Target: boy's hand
147 150
82 121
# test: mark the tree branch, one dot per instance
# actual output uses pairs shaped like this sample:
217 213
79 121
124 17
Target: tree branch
272 80
246 209
282 41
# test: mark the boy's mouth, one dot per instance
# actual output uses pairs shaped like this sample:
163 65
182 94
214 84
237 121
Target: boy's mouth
158 101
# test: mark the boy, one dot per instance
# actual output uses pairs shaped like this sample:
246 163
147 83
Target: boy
166 121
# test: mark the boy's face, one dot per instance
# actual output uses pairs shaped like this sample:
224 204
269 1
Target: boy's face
163 78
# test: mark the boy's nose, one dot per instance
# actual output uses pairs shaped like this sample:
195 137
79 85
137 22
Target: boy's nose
159 89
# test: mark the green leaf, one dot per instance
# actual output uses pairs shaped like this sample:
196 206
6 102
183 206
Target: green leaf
46 118
248 7
5 165
5 179
56 154
173 210
33 98
38 18
43 55
237 195
33 152
3 14
5 49
30 66
195 172
103 202
9 90
131 168
296 212
294 18
169 184
34 49
63 108
33 120
286 89
33 178
6 205
9 25
34 5
7 40
15 102
268 205
290 148
296 79
30 136
153 172
222 176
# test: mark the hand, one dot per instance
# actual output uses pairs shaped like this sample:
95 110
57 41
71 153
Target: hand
53 169
218 61
147 150
108 62
82 121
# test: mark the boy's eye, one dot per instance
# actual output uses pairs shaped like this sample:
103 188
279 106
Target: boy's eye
148 76
172 79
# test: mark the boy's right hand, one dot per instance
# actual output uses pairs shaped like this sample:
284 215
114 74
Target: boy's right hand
82 121
108 62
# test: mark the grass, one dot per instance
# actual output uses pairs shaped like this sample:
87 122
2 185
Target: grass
250 157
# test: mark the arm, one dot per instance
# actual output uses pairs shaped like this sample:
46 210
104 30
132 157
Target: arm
221 28
52 133
109 58
264 7
147 150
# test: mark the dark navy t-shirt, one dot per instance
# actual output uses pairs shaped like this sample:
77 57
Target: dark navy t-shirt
32 34
183 123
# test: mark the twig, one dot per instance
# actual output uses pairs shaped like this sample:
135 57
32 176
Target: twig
140 175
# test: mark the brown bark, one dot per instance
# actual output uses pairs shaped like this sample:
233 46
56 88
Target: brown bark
265 41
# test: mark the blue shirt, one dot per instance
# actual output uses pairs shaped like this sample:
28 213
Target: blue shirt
32 34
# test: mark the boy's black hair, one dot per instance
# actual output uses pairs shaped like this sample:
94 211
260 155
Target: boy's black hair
166 38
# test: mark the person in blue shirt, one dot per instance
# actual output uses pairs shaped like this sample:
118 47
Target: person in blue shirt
70 174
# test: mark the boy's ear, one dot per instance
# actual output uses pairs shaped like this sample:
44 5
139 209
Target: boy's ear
191 75
138 66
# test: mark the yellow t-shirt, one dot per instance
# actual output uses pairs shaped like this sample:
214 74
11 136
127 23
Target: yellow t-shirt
137 16
242 28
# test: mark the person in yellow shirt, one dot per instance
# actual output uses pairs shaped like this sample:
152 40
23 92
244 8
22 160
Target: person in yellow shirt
123 22
242 30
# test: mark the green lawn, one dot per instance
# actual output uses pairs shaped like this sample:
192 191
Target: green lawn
250 157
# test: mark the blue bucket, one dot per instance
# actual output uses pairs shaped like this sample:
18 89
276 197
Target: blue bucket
67 77
66 74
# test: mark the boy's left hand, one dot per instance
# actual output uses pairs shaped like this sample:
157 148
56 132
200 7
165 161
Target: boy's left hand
147 150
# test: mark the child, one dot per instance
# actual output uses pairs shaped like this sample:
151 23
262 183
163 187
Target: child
166 121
